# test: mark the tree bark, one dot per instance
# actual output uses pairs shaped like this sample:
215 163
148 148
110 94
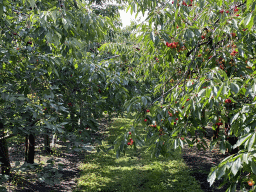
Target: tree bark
47 147
4 155
204 122
30 148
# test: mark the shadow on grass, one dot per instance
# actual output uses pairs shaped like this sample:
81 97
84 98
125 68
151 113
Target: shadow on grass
103 172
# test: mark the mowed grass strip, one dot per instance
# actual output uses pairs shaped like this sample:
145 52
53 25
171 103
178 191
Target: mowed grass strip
134 171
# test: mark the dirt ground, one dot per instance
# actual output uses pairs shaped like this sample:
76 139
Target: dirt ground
201 161
198 161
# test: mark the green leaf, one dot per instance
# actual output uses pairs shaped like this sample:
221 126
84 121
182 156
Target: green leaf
222 147
236 166
221 171
1 8
251 142
234 88
220 3
248 4
241 52
253 167
144 100
245 158
60 130
219 92
152 36
211 177
234 118
247 19
242 140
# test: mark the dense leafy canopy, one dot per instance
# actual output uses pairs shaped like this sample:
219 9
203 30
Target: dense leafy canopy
200 54
190 64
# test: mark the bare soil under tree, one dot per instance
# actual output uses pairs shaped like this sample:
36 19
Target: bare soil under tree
198 161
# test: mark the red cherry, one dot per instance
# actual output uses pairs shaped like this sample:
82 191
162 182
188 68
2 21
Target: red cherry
250 182
227 11
128 143
221 11
145 120
182 138
233 34
176 119
182 107
184 3
14 33
188 99
29 42
147 111
202 37
130 133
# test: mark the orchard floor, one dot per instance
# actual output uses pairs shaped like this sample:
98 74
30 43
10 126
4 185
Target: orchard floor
201 161
198 161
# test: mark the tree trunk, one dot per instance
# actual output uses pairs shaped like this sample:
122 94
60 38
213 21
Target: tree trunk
54 140
4 155
47 147
217 130
203 122
30 148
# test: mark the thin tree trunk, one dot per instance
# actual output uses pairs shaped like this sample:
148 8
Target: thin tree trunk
30 149
30 144
54 140
4 155
47 147
204 122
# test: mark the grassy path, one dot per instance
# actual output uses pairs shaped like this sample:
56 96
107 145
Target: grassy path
134 171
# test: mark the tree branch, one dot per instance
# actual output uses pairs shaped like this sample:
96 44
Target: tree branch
7 136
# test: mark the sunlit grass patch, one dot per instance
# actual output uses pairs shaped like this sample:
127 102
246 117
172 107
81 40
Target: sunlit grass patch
136 171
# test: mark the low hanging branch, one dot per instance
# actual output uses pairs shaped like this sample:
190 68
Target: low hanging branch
209 42
184 75
162 96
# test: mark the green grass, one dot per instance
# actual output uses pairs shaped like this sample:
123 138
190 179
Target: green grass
136 171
